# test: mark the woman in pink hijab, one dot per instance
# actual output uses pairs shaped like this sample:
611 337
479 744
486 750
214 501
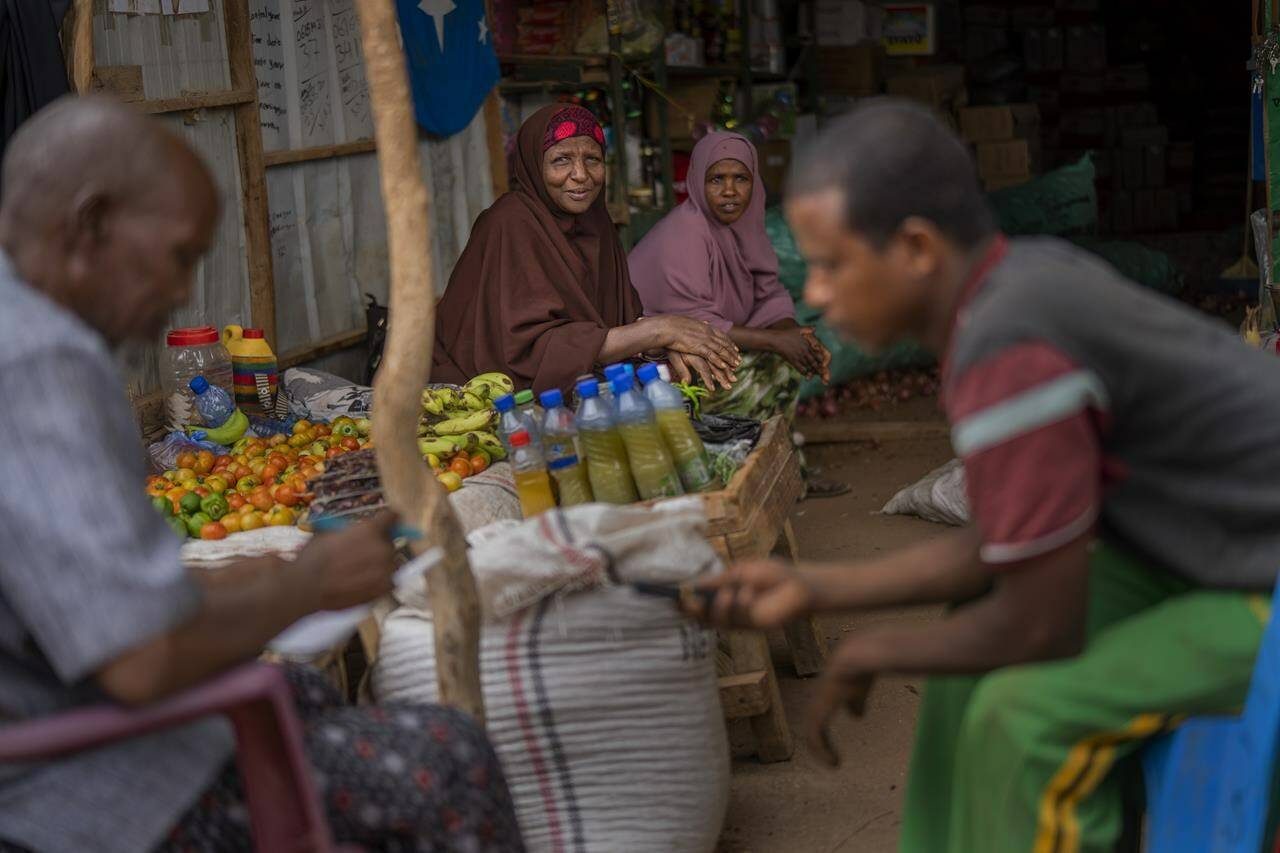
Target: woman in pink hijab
711 259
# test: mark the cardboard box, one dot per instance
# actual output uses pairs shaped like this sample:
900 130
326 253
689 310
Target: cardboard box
698 95
910 29
939 86
1154 135
1086 49
856 71
775 161
844 23
1009 159
991 124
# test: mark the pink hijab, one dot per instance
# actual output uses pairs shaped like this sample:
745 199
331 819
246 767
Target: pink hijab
692 264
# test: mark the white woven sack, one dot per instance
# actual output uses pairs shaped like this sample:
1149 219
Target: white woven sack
941 496
603 707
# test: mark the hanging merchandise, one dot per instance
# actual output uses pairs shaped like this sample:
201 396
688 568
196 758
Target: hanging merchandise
452 66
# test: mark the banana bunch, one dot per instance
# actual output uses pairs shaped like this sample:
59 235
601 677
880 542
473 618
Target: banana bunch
463 418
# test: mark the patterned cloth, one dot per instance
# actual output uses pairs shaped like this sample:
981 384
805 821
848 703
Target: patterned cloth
767 385
570 122
393 777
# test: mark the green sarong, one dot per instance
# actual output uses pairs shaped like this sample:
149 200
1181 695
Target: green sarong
1022 759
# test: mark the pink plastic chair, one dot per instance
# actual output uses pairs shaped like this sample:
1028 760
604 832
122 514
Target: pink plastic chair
284 811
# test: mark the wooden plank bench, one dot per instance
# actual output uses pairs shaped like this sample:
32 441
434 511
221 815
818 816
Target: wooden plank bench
748 519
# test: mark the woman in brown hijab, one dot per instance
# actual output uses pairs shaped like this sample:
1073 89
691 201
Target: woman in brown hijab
542 292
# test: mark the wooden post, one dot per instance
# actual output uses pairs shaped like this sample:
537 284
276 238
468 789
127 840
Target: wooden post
412 490
77 46
253 171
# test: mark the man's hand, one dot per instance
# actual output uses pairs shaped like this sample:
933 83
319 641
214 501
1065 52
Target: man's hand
822 353
845 683
757 594
351 566
684 366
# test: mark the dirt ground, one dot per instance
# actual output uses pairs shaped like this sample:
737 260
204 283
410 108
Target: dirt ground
799 806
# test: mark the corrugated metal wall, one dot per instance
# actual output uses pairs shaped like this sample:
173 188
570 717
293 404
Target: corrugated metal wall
328 232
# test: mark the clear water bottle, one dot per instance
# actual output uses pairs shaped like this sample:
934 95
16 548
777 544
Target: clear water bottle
526 405
532 483
510 420
691 459
607 468
213 404
650 460
560 446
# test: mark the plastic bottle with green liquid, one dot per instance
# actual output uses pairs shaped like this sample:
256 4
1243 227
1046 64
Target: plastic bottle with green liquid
692 461
607 468
560 446
651 464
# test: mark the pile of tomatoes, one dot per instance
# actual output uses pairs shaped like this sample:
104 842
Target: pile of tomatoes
261 482
455 468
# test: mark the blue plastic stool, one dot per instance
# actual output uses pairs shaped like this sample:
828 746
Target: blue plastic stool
1209 782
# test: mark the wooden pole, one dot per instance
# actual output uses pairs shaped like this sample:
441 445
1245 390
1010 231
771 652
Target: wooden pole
78 46
412 489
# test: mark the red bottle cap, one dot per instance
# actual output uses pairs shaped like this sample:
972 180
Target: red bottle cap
192 336
520 439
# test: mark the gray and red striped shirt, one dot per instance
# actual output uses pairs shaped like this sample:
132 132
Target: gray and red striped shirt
1080 401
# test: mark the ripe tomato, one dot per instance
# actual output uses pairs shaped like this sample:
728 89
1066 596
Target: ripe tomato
269 473
323 430
202 491
349 443
261 498
296 482
479 462
278 460
239 470
277 440
186 459
461 467
231 521
157 486
204 462
284 496
216 484
224 459
174 495
255 450
256 464
186 474
246 509
280 517
213 530
247 484
333 451
235 500
251 521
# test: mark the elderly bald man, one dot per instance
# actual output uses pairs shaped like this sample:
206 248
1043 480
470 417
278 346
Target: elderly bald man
103 218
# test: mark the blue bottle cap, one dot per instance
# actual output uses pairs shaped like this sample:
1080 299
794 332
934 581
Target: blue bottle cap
562 463
199 384
630 369
505 403
588 388
551 399
613 371
622 384
647 373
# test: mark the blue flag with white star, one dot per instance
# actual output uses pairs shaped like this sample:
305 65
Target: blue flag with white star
452 65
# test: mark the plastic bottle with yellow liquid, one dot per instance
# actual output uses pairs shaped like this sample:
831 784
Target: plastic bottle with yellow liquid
687 451
651 465
607 468
560 446
533 485
253 369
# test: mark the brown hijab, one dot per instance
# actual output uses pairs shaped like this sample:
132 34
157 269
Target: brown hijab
536 289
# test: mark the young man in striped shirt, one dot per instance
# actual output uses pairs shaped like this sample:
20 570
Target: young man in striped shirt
1124 476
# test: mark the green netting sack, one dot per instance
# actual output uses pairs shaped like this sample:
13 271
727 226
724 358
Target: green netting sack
1148 267
1060 202
848 361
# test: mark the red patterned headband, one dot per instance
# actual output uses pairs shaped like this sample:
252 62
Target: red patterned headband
570 122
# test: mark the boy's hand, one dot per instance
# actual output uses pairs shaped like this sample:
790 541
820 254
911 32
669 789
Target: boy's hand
845 682
756 594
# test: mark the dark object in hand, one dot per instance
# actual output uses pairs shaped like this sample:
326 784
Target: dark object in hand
722 429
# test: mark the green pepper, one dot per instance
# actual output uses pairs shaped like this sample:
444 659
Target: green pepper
190 503
163 506
215 506
346 430
195 522
177 525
